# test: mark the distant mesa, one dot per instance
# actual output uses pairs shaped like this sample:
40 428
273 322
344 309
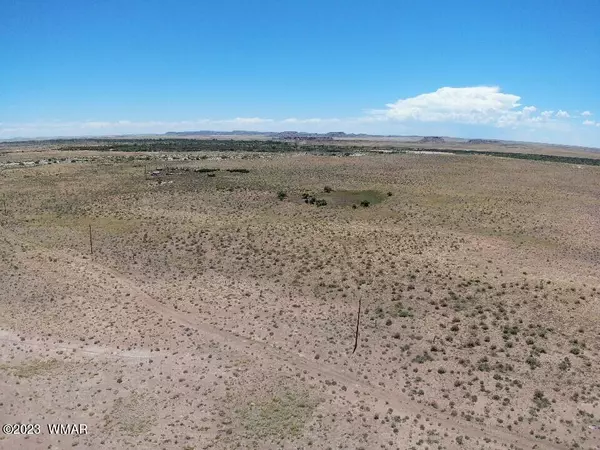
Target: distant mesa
302 136
284 135
210 133
432 140
482 141
299 136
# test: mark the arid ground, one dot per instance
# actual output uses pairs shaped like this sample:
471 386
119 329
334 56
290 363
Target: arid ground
217 307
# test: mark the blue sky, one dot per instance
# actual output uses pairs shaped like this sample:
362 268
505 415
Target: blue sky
514 69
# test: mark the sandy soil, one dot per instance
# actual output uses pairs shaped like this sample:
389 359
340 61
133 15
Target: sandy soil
212 314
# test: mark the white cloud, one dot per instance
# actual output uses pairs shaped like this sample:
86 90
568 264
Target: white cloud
448 111
478 105
295 120
483 104
90 127
95 125
248 120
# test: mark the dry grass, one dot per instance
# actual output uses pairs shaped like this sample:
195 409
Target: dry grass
478 278
31 368
279 416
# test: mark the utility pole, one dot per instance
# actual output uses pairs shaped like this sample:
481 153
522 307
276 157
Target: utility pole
91 247
357 324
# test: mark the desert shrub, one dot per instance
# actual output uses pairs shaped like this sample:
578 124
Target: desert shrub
483 365
312 200
540 400
420 359
327 189
309 199
281 195
365 203
533 362
565 364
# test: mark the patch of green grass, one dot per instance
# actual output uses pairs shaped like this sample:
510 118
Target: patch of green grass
282 416
346 198
112 225
529 156
31 368
132 415
398 310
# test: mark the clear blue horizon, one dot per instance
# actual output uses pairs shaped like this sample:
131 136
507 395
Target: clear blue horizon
521 70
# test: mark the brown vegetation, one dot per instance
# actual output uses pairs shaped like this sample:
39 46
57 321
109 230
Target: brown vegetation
220 311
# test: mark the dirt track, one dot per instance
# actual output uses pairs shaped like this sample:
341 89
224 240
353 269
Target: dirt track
383 398
215 315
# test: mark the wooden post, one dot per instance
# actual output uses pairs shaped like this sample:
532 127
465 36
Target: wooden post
357 325
91 247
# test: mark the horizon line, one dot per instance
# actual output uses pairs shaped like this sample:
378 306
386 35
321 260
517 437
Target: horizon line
183 134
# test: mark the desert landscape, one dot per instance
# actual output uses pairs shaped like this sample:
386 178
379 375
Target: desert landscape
203 293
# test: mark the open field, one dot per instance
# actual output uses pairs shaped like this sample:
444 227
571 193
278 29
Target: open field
217 308
277 143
